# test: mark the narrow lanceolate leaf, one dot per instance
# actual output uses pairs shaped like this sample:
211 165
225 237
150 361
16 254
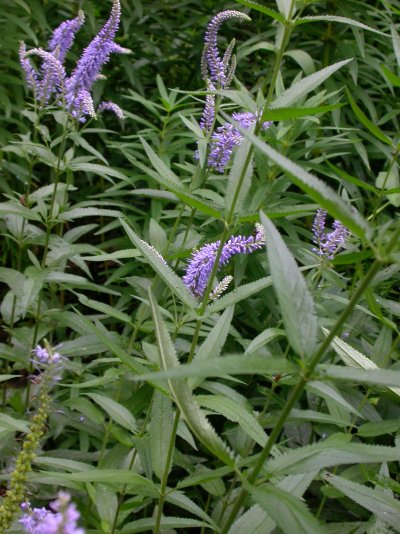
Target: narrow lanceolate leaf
212 345
239 294
162 269
116 411
159 165
190 410
354 358
295 300
225 366
262 9
234 411
315 188
237 182
281 114
108 310
289 512
334 18
301 88
379 377
375 500
160 431
326 454
371 126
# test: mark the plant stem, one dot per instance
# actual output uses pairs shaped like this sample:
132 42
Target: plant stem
307 375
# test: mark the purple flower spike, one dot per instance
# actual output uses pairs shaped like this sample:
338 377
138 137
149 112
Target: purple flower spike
207 119
61 520
44 356
63 36
53 78
94 57
110 106
226 137
328 243
30 73
219 69
202 261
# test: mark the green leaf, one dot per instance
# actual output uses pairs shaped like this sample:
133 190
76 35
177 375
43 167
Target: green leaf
326 454
162 269
8 208
160 432
194 417
97 169
391 76
64 464
10 423
109 311
237 295
371 126
254 520
167 524
379 428
215 340
178 498
263 339
78 213
301 88
282 114
225 366
235 412
375 500
380 377
316 189
330 392
160 166
289 512
262 9
233 200
116 411
295 300
334 18
353 357
4 378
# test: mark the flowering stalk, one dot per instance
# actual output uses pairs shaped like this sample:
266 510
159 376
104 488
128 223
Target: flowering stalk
328 243
202 262
16 492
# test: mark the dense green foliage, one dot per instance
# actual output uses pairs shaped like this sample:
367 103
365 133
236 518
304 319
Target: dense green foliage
272 408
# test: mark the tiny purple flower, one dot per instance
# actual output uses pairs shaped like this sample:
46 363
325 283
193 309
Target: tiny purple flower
45 356
207 119
31 74
201 264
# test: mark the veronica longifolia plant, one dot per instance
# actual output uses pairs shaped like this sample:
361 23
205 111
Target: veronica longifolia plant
73 92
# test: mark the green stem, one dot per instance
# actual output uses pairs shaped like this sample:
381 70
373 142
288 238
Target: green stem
164 480
307 375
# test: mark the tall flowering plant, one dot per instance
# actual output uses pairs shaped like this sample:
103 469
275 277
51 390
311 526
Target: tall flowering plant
73 92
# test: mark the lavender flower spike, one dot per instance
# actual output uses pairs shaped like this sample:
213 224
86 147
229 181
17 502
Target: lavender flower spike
219 69
202 262
328 243
110 106
53 74
61 519
93 57
226 137
207 119
63 36
30 73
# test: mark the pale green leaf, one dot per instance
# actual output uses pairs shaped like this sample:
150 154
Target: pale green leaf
115 411
295 300
160 432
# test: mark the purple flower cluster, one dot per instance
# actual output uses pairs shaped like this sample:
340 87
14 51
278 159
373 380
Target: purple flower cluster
61 519
73 92
329 243
220 69
45 356
201 264
226 137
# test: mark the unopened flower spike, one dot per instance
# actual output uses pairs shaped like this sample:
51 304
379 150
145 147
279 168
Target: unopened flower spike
200 266
31 74
221 287
111 106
